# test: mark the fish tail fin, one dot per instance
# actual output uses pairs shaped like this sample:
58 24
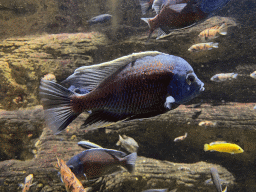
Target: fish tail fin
130 162
206 147
57 104
146 20
215 45
223 29
226 189
235 75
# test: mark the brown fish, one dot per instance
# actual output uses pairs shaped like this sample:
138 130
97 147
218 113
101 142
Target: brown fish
97 162
72 184
175 16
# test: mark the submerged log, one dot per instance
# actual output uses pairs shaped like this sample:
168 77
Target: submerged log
162 163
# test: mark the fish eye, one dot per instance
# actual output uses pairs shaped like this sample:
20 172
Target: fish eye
190 79
71 168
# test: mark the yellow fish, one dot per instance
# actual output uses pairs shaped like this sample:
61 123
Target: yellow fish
203 47
212 33
28 183
223 146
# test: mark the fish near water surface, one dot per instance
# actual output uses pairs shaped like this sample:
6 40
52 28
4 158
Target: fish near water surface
139 85
97 162
175 14
223 146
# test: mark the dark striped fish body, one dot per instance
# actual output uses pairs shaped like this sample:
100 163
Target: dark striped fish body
138 85
139 88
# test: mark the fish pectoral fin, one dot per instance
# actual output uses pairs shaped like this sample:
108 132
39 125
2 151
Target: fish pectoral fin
168 102
178 7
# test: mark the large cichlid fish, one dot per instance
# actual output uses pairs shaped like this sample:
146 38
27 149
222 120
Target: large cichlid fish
139 85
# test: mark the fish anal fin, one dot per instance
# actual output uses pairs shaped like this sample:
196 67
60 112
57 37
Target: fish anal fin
101 118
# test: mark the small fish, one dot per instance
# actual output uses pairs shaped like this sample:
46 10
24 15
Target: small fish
72 184
254 107
203 47
97 162
100 19
207 123
136 86
28 183
128 143
180 138
253 75
216 180
223 77
212 33
49 77
223 146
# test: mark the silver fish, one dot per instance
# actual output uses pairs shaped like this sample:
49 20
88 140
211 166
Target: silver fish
128 143
223 77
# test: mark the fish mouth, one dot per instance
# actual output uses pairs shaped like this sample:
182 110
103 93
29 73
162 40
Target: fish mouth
202 88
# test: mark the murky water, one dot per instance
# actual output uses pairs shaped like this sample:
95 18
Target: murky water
43 37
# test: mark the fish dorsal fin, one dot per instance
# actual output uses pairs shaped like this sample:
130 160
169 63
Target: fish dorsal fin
88 145
89 77
178 7
217 142
115 153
